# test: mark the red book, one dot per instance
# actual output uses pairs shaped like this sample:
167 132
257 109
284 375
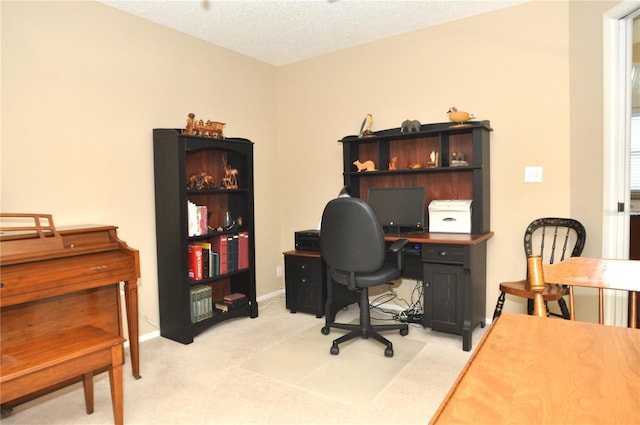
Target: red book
233 297
203 223
195 262
243 250
220 246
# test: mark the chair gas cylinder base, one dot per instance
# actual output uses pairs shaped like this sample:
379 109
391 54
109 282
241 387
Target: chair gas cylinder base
364 329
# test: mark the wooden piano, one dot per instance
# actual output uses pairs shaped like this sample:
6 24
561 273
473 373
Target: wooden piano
56 280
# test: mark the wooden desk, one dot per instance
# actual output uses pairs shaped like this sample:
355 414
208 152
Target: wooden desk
504 382
453 267
444 238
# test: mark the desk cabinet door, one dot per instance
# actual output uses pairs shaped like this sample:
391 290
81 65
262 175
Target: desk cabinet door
444 286
305 285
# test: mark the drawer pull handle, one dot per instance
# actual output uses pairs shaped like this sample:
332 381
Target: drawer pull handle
443 253
303 267
99 268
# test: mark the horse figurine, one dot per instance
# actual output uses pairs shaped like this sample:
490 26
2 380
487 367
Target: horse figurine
200 180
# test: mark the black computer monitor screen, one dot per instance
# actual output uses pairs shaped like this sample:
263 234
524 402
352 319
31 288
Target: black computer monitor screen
399 209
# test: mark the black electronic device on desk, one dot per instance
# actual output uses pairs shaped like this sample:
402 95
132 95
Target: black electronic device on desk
307 240
400 210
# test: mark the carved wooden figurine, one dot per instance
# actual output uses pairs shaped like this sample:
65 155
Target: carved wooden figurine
200 180
410 126
230 179
212 129
458 159
433 159
190 129
364 166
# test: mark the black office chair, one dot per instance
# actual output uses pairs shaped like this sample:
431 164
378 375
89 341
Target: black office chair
353 246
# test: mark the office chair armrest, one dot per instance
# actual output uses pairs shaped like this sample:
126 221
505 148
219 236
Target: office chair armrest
396 247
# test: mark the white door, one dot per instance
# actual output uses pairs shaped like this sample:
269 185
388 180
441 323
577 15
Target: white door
618 49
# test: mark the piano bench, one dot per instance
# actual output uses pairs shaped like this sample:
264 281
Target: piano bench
35 364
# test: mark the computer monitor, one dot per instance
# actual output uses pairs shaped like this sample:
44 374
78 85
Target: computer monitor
398 209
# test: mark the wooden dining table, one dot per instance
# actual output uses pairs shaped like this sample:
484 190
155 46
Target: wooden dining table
533 370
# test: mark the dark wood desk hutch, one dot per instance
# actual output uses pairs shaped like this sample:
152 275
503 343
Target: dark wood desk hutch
453 266
216 174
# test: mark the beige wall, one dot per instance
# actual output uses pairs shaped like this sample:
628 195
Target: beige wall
586 115
519 80
83 85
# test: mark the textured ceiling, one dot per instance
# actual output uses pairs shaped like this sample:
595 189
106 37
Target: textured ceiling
283 31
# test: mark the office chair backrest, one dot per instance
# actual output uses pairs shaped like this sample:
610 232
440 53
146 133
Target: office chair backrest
554 239
595 273
351 238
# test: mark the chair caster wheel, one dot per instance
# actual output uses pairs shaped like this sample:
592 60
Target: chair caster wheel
388 352
325 330
404 332
334 350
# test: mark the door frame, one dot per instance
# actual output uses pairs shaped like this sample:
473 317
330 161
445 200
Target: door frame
617 30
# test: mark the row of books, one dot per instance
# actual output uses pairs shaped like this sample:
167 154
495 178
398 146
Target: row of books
197 219
202 305
224 254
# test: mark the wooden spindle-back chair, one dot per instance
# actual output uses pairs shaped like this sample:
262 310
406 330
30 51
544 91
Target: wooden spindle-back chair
552 239
601 274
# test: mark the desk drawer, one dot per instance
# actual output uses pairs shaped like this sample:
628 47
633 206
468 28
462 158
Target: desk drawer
443 253
303 268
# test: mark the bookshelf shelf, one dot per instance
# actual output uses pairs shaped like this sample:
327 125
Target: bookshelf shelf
201 256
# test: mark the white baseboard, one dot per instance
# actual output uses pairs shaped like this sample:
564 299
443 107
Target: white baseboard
277 293
156 333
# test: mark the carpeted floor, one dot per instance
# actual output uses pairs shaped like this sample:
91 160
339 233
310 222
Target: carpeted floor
275 369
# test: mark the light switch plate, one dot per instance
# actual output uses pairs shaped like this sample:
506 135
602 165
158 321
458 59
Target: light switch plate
533 174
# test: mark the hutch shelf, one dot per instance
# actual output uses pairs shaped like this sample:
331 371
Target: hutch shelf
448 177
188 290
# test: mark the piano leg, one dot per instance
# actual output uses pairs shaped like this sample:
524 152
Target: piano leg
116 383
87 383
131 304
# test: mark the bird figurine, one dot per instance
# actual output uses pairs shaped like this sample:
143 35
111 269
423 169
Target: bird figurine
365 128
459 117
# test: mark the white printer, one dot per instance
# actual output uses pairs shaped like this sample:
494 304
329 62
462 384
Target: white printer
450 215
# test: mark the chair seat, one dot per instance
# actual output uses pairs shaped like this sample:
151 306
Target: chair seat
521 288
367 280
